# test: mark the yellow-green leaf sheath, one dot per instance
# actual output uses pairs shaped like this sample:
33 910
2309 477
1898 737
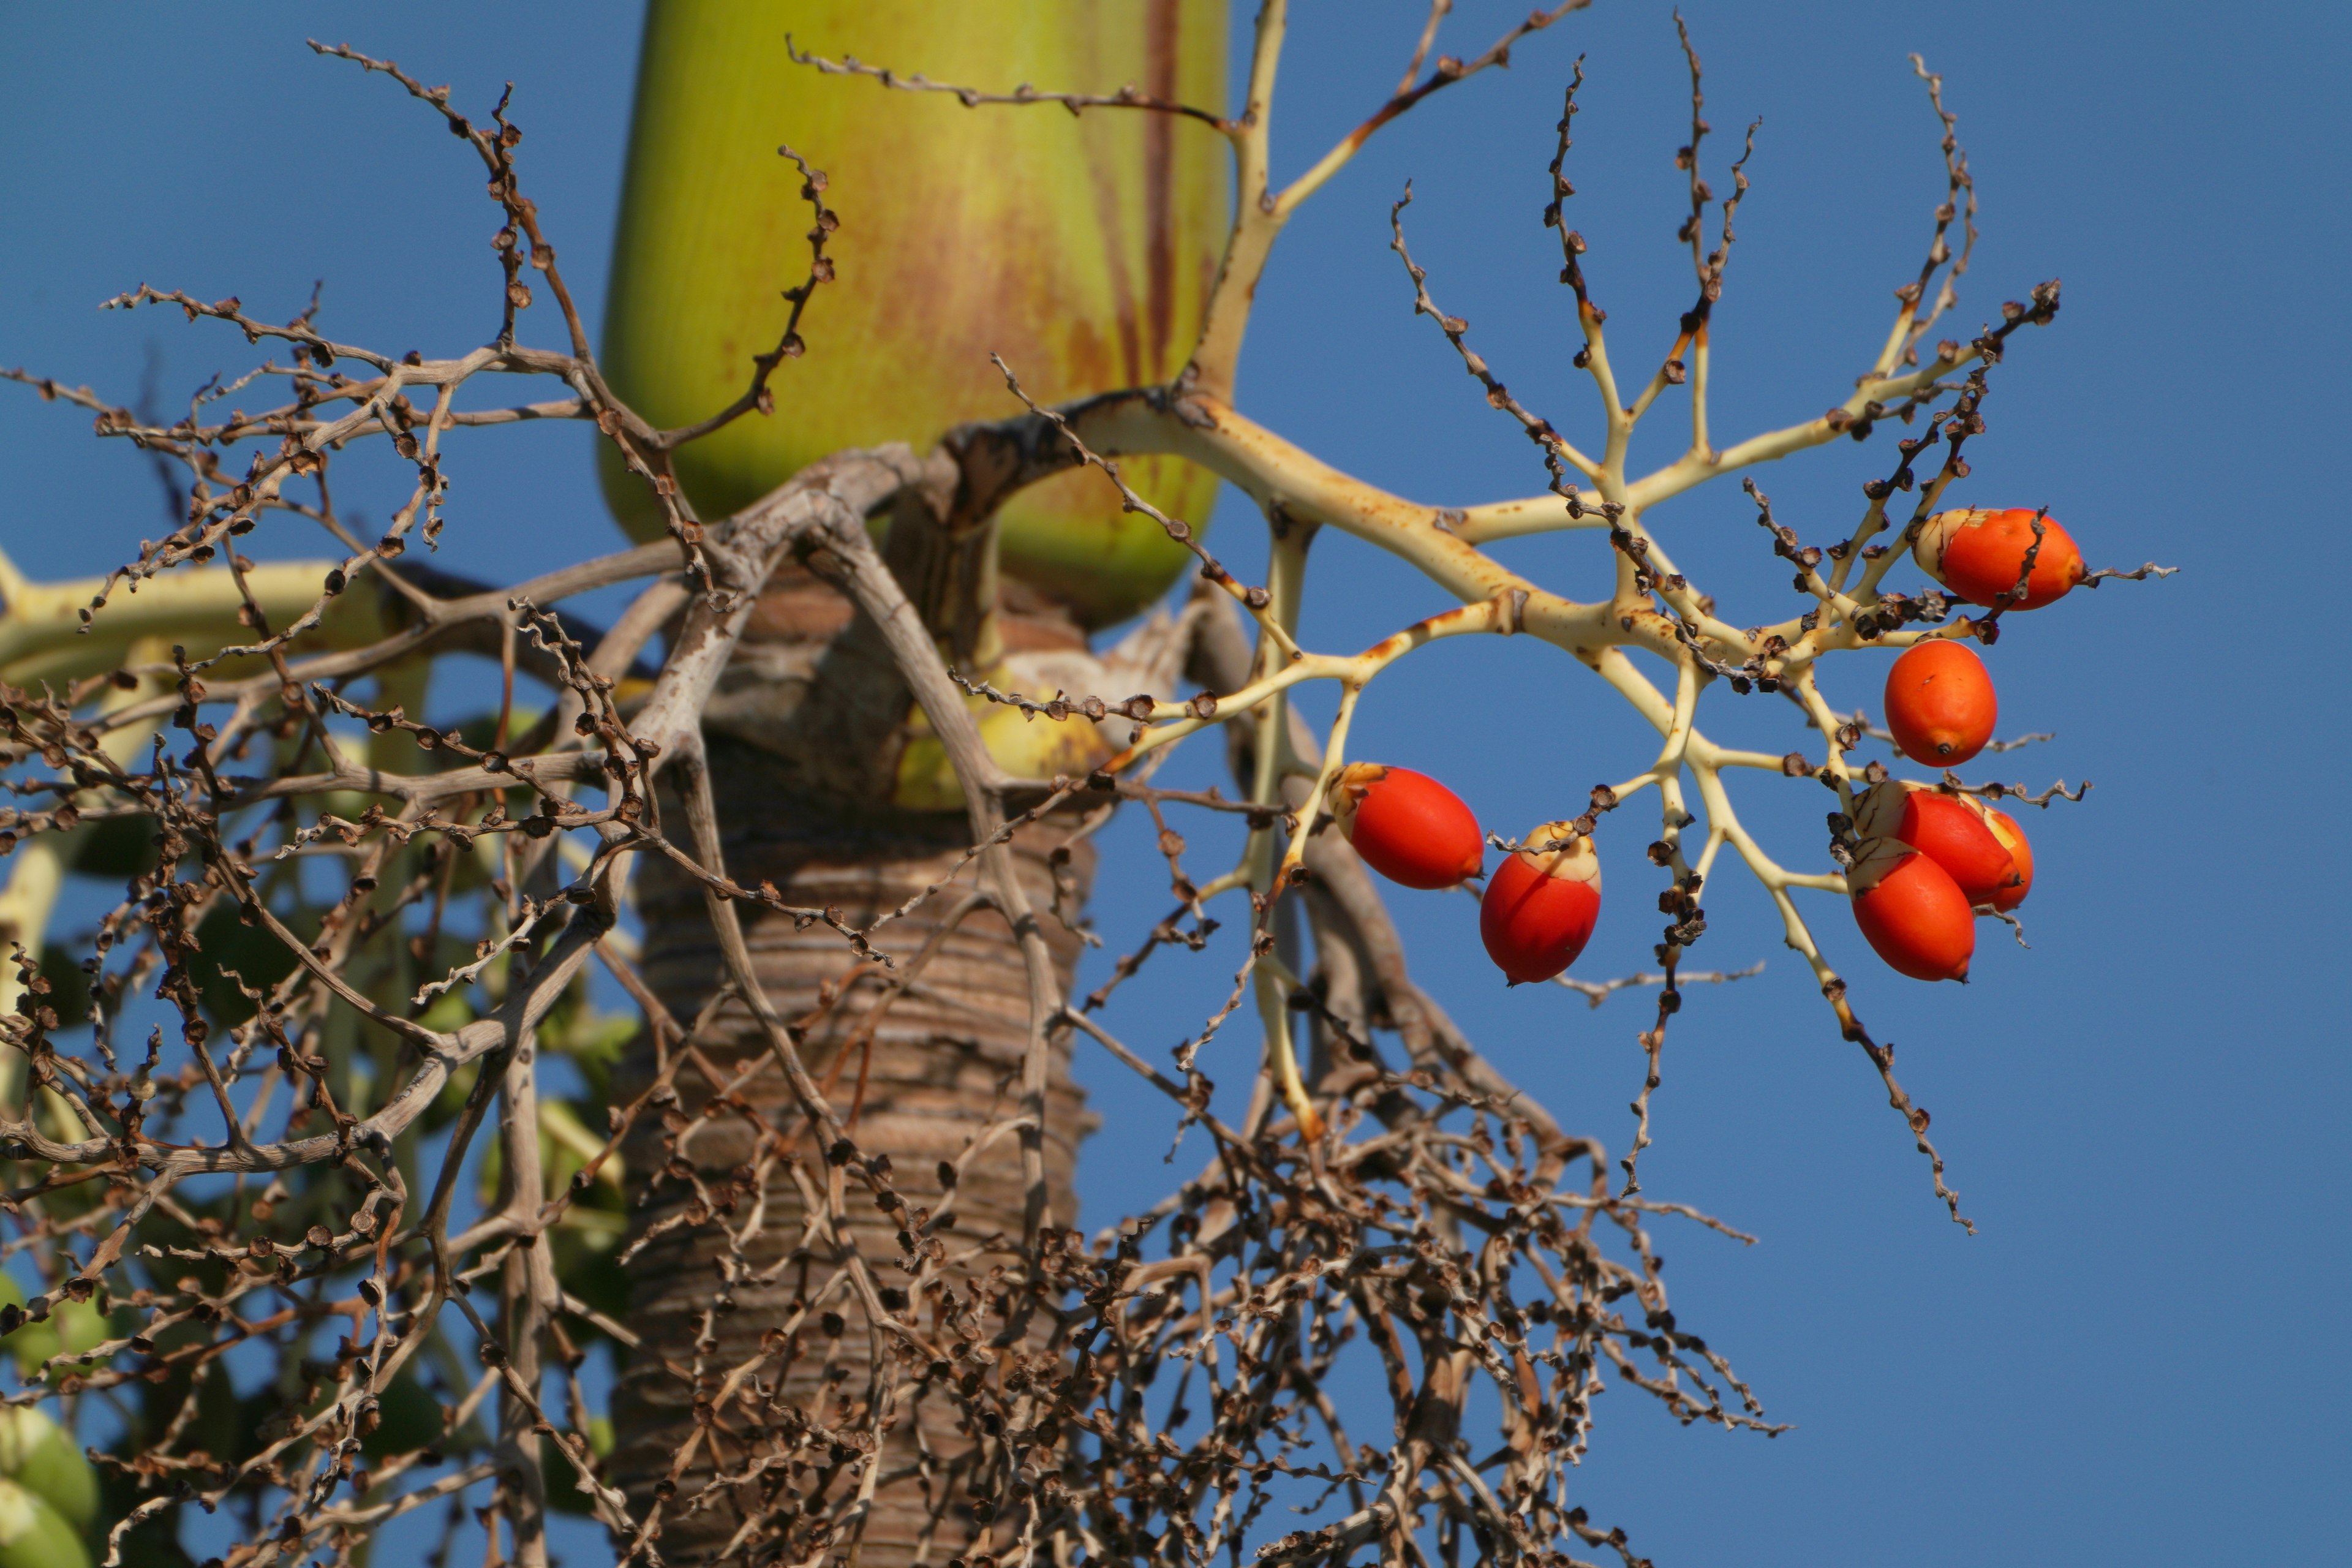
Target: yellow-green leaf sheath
1081 250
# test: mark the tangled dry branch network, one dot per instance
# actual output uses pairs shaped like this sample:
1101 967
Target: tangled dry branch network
329 1246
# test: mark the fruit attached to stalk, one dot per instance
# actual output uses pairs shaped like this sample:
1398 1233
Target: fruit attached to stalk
1940 703
1912 913
1407 826
1978 555
1541 904
1951 830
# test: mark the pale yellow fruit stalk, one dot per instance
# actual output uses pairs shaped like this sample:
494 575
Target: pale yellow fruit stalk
1081 250
42 636
43 641
36 871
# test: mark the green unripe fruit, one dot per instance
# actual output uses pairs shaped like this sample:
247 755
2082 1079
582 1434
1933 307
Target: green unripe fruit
1081 250
71 1328
34 1535
41 1457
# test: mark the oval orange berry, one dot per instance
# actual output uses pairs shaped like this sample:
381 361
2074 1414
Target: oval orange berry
1940 703
1951 830
1541 905
1912 913
2021 854
1979 553
1407 826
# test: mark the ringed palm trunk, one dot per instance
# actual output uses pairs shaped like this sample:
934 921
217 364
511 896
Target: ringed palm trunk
1082 250
944 1063
925 1077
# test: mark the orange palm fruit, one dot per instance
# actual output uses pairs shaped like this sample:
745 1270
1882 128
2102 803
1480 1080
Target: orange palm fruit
1977 553
2020 853
1912 913
1079 249
1540 906
1407 826
1951 830
1940 703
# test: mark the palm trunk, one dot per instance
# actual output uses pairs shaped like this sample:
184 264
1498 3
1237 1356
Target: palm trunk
727 1264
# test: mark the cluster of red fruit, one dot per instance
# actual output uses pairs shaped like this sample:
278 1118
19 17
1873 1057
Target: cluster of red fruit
1925 860
1538 910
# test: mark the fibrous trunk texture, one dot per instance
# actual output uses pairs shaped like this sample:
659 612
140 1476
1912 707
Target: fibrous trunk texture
726 1261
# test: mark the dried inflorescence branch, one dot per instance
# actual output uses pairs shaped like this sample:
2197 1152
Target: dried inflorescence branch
366 932
1128 97
824 222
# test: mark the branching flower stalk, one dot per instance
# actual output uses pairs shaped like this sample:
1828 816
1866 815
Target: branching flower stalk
364 930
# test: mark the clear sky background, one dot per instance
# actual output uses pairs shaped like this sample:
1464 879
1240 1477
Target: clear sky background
2136 1359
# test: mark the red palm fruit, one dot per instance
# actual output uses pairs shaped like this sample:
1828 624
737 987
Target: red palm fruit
1540 906
1977 555
1951 830
1407 826
1940 703
2020 853
1912 913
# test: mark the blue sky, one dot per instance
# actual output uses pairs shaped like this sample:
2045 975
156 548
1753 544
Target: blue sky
2144 1114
